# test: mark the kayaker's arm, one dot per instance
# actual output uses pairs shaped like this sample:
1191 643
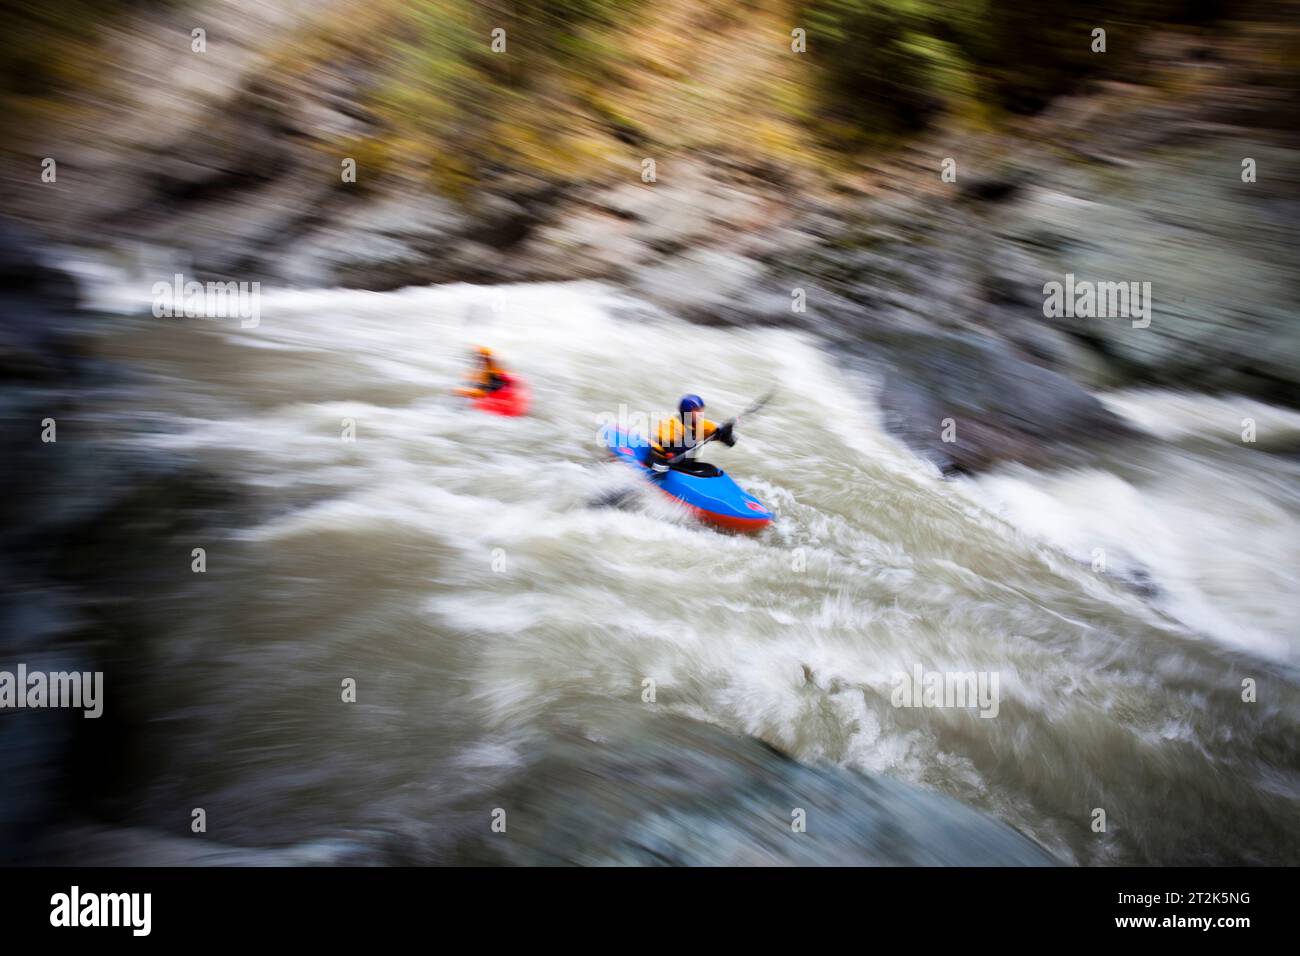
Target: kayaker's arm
709 431
723 433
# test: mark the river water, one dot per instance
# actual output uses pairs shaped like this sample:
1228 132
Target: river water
484 578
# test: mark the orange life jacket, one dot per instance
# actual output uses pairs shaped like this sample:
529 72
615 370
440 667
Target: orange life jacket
672 437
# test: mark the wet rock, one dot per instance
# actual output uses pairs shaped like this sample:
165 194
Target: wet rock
86 523
965 403
381 243
667 791
990 188
39 620
1219 255
699 284
88 844
499 222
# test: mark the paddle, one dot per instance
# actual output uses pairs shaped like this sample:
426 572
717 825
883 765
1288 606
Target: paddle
732 422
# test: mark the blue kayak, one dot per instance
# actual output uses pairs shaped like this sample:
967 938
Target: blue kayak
703 488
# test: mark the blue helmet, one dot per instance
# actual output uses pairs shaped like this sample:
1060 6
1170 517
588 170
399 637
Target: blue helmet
690 403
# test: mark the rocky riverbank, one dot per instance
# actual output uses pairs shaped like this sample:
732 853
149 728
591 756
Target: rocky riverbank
934 283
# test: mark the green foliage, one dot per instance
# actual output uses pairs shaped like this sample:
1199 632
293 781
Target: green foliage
581 80
870 74
889 67
451 90
47 46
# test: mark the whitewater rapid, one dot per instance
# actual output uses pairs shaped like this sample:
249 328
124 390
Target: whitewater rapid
472 574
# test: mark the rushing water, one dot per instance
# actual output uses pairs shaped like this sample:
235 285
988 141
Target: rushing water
482 578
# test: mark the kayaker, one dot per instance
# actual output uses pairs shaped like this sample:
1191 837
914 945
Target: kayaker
688 428
487 376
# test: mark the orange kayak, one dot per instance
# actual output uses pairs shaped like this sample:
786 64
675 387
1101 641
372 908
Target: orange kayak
511 399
